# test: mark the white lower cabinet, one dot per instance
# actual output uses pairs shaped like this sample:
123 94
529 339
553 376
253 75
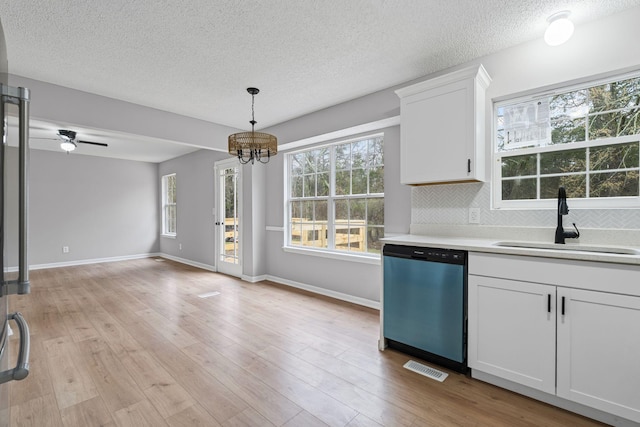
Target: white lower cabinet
511 333
599 351
577 344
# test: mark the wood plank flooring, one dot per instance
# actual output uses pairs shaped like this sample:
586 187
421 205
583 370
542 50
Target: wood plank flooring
132 344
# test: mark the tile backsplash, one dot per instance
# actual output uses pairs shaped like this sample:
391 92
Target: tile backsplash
450 203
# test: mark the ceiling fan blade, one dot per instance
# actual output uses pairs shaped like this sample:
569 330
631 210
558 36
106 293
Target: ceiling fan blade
102 144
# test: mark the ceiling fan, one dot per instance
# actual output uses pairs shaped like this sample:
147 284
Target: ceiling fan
68 141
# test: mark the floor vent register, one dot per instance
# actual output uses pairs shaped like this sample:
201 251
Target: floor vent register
425 370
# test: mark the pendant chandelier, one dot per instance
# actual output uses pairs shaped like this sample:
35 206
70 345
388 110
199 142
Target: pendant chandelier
252 146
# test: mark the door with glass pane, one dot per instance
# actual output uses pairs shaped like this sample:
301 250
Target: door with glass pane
228 217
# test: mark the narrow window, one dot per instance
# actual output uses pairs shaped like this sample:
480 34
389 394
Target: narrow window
169 205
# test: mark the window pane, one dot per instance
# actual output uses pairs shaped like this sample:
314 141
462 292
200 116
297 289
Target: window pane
563 161
309 161
619 123
617 184
575 185
341 237
343 157
296 186
309 184
519 165
568 130
569 105
359 181
171 219
359 154
358 211
296 210
376 152
296 232
320 210
297 164
376 180
343 182
519 189
323 184
375 211
309 235
323 159
616 95
614 157
374 234
357 237
307 211
341 211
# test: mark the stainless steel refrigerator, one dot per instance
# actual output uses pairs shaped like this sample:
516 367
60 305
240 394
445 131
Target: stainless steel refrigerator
13 246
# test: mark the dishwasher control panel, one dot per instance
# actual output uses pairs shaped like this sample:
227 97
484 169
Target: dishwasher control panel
449 256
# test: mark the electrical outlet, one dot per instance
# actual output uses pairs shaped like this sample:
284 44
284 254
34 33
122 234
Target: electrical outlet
474 215
65 249
179 246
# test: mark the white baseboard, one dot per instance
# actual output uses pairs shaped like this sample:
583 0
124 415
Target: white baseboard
254 279
85 262
189 262
326 292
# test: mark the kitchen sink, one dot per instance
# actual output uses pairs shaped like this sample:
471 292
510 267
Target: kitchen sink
619 250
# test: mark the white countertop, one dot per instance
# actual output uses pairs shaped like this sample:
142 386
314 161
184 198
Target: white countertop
484 244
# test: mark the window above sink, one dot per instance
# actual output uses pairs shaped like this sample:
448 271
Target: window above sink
585 138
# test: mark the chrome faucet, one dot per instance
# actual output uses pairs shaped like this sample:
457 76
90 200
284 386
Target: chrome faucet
563 209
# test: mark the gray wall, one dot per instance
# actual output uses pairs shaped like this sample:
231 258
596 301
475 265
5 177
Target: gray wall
98 207
195 203
58 104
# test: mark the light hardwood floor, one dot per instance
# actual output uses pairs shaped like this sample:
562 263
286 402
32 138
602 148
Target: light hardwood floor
132 344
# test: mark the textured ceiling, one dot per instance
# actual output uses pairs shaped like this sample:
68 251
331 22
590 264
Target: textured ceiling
196 57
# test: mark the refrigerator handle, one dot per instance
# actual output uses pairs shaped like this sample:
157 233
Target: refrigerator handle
23 182
21 370
20 96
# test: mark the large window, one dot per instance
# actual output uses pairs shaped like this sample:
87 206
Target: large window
336 196
169 205
584 138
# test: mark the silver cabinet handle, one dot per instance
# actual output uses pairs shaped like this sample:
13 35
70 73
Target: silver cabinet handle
21 370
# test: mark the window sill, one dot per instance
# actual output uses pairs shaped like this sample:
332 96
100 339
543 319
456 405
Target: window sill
373 260
168 236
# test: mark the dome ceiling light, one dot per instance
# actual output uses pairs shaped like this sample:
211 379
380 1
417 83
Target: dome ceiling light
560 28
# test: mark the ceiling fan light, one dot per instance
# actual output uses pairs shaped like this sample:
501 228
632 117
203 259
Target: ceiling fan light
560 28
68 146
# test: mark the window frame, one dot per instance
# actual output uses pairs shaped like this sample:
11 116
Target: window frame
330 251
166 205
578 203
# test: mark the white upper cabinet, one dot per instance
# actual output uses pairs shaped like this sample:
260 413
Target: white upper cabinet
442 128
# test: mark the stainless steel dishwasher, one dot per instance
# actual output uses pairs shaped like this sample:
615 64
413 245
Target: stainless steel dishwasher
425 303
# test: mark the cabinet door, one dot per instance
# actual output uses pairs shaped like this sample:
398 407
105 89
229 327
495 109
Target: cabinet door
437 133
512 330
599 351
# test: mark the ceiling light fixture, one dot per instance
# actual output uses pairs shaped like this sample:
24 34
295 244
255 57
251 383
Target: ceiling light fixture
560 28
67 144
252 146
